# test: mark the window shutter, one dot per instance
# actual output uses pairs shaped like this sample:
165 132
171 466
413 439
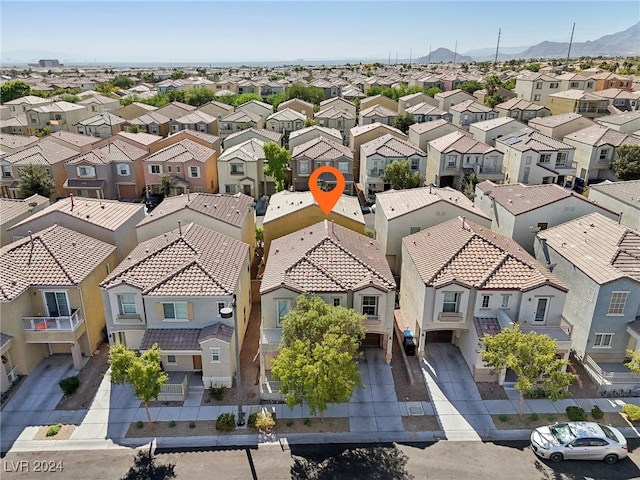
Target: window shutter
190 310
160 311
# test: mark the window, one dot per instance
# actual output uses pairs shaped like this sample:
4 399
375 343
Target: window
230 189
536 98
543 225
303 167
603 340
589 84
336 302
604 154
178 169
450 303
553 85
123 169
528 160
343 167
574 85
6 171
169 169
541 310
415 164
505 301
57 304
171 359
282 309
220 307
215 354
127 304
485 301
175 311
83 193
451 161
85 171
545 158
194 172
618 299
413 230
538 85
155 169
236 169
370 306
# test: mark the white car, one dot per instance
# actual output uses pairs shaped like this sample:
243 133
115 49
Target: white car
579 441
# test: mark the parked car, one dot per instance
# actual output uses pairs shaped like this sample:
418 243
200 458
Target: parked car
153 201
579 441
368 209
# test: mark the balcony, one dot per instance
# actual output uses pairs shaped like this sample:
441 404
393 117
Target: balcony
376 173
566 165
128 319
450 317
372 321
54 329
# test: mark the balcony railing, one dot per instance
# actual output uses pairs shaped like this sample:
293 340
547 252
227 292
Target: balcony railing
567 165
375 173
13 375
372 320
450 317
47 324
603 377
131 319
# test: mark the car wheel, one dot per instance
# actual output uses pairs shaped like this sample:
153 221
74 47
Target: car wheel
557 457
611 459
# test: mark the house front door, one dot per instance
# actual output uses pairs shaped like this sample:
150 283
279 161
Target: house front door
197 363
541 310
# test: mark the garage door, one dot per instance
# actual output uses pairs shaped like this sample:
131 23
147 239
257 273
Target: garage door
440 336
127 191
372 340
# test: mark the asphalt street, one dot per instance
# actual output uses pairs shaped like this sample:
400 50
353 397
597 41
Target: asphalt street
446 460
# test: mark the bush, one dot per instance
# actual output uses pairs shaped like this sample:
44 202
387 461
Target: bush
226 422
632 412
53 430
534 417
596 413
306 421
139 424
69 384
216 393
551 417
251 421
289 422
576 414
172 423
192 425
265 421
503 418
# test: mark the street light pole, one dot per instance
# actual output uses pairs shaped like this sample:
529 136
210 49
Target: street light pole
229 312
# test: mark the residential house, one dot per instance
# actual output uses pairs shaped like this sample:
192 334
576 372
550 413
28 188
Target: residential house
621 100
533 158
134 110
521 109
627 122
153 123
247 86
335 118
110 221
400 213
300 106
377 154
13 211
102 125
97 104
146 141
241 169
488 130
261 134
343 267
420 134
175 110
168 85
285 121
520 211
452 157
605 80
237 121
50 301
17 125
330 89
425 112
255 107
465 113
272 88
576 81
216 109
13 143
536 87
341 104
596 150
197 121
365 133
56 116
587 104
192 166
108 171
21 105
448 99
320 152
309 133
75 141
291 211
171 290
379 100
482 94
559 126
594 256
623 197
460 279
407 101
426 81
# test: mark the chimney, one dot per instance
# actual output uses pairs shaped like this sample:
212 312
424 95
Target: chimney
71 195
180 227
463 222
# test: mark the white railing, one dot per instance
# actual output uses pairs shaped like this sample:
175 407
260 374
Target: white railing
604 377
12 375
174 388
131 319
45 324
449 317
372 319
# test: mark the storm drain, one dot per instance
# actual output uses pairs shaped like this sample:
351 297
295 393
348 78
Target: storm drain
416 410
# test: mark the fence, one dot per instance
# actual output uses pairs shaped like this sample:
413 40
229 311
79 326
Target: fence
174 391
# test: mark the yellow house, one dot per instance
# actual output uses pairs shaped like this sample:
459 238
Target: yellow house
291 211
50 300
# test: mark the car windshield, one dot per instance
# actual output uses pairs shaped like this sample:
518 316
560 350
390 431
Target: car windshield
609 433
563 432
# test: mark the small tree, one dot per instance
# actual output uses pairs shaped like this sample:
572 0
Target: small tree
432 91
309 122
278 159
167 184
634 361
145 468
400 176
469 183
143 373
259 236
627 165
34 179
13 89
470 86
403 121
133 128
532 358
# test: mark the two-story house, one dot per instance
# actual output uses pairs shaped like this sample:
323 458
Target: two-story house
380 100
176 110
134 110
216 109
521 109
237 121
621 100
241 169
102 125
153 123
559 126
309 133
488 130
20 105
261 134
197 121
536 87
420 134
465 113
576 81
377 114
285 121
605 80
13 211
589 105
365 133
317 153
448 99
255 107
171 289
341 104
345 268
407 101
341 120
627 122
622 197
458 276
298 105
426 112
56 116
97 104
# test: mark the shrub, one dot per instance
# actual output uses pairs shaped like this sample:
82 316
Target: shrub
251 420
265 421
192 425
596 413
172 423
503 418
216 393
306 421
226 422
551 417
53 430
534 417
289 422
576 414
139 424
69 384
632 412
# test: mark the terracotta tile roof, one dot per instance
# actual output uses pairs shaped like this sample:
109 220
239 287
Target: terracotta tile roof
627 192
207 137
424 127
377 111
149 118
530 139
317 129
285 202
241 116
355 131
390 147
183 151
321 148
519 104
195 117
287 115
333 113
198 262
11 208
251 150
603 249
462 252
55 256
218 330
486 326
74 140
326 258
45 152
336 100
598 135
141 138
396 203
487 125
175 339
470 106
230 209
461 143
267 135
553 121
114 151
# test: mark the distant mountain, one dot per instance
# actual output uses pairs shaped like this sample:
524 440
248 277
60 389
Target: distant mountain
480 54
444 55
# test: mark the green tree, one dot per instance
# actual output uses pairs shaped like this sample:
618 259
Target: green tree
143 373
244 98
403 121
400 176
492 83
259 236
43 132
492 101
309 122
176 95
318 358
167 184
276 99
13 89
634 361
432 91
627 165
305 92
532 358
149 77
34 179
470 86
278 159
177 74
122 81
198 96
133 128
469 183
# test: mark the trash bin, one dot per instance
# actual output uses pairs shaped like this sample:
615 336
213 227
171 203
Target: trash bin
409 342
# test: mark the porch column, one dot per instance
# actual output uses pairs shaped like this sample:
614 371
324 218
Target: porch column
421 344
76 355
388 344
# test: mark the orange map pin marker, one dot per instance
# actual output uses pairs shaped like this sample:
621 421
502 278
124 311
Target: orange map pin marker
326 200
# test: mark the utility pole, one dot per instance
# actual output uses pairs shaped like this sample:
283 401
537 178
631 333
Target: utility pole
495 62
396 57
429 57
410 52
389 57
455 53
566 67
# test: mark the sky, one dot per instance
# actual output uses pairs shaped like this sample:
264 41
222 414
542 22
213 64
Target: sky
243 31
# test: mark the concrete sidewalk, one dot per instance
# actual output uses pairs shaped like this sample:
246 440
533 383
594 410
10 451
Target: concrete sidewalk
374 413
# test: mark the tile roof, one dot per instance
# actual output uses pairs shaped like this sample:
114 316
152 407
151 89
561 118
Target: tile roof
460 251
251 150
326 257
229 209
333 113
461 143
74 139
195 117
530 139
59 107
11 208
16 141
268 135
149 118
287 115
576 95
377 111
285 202
114 151
424 127
55 256
99 99
449 93
317 129
519 104
486 325
390 146
198 262
553 121
603 249
174 339
241 116
321 148
470 106
598 135
336 100
425 108
141 138
396 203
207 137
183 151
488 125
627 192
355 131
45 152
621 118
